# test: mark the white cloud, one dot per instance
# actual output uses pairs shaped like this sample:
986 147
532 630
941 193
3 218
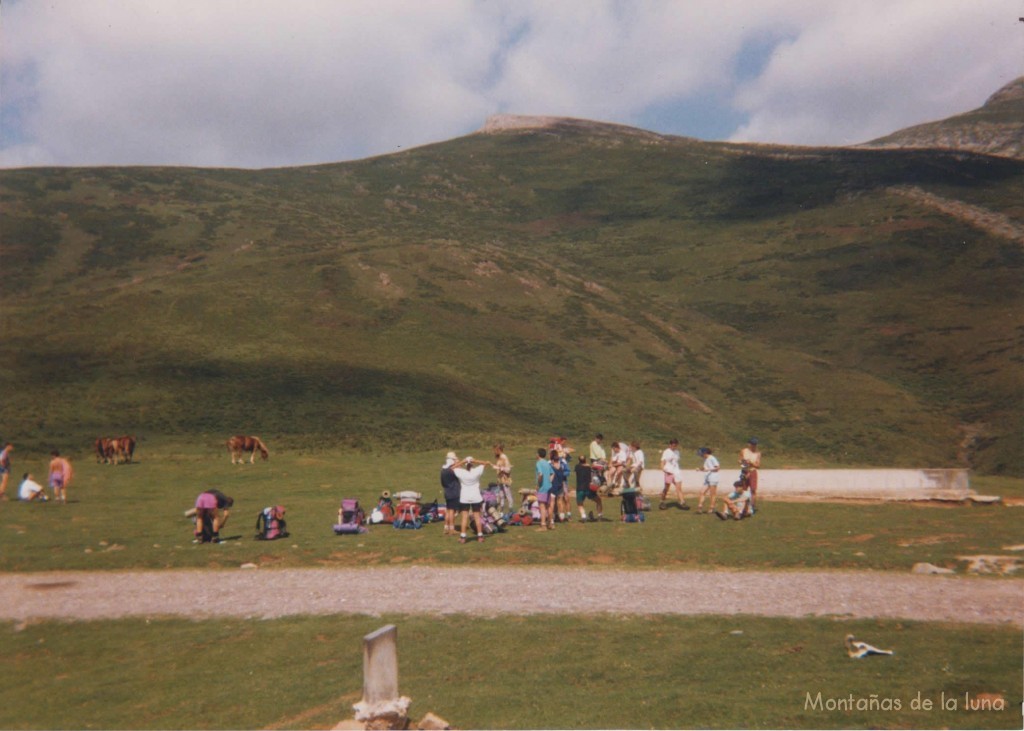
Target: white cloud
261 83
869 68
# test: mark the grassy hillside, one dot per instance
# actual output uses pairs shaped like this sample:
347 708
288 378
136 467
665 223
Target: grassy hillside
513 285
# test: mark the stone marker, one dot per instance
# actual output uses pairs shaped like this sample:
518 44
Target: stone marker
382 706
929 568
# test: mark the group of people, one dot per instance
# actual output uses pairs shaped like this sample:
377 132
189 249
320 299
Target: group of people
60 474
628 462
460 482
596 476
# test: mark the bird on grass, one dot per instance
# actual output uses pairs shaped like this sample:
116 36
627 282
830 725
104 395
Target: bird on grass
858 649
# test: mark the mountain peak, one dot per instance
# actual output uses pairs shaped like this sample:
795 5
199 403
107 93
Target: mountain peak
996 128
1012 92
499 123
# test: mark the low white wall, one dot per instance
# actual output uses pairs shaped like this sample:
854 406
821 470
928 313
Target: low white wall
871 484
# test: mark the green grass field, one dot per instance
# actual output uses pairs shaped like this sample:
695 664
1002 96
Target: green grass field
527 672
522 672
130 516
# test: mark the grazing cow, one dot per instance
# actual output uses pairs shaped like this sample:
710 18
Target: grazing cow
104 450
124 448
115 450
240 444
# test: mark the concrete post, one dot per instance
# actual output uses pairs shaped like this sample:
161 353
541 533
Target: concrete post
382 707
380 665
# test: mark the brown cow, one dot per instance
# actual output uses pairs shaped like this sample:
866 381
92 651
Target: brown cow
104 451
124 448
115 450
240 444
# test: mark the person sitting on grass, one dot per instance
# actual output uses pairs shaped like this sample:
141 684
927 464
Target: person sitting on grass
211 513
585 491
30 490
736 504
710 469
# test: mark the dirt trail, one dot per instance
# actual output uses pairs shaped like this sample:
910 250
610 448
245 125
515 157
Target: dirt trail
990 221
496 591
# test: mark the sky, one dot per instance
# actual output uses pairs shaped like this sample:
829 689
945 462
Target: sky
265 83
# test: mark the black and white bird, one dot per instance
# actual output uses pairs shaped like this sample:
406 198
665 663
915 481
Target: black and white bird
859 649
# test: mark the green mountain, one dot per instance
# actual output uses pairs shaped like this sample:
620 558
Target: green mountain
847 306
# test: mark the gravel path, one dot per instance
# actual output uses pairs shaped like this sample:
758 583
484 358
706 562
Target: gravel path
495 591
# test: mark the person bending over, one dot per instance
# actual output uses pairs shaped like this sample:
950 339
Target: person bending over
213 508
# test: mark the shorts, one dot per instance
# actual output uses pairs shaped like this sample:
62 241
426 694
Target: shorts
711 480
452 503
207 500
670 478
544 497
3 470
585 494
474 507
56 480
557 491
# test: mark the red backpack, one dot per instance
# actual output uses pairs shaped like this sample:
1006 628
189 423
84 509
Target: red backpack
270 524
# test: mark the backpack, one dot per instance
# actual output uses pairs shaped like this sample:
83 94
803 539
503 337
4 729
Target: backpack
270 524
408 514
350 518
385 510
431 513
631 512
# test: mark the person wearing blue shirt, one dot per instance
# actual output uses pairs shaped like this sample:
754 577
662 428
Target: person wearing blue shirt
558 482
545 476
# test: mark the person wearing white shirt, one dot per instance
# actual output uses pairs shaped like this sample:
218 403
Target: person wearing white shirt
710 489
636 465
673 478
470 498
31 490
620 455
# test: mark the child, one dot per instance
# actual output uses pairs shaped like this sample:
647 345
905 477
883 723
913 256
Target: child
710 489
585 490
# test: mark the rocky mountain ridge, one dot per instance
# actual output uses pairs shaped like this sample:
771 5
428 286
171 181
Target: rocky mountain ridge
995 128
